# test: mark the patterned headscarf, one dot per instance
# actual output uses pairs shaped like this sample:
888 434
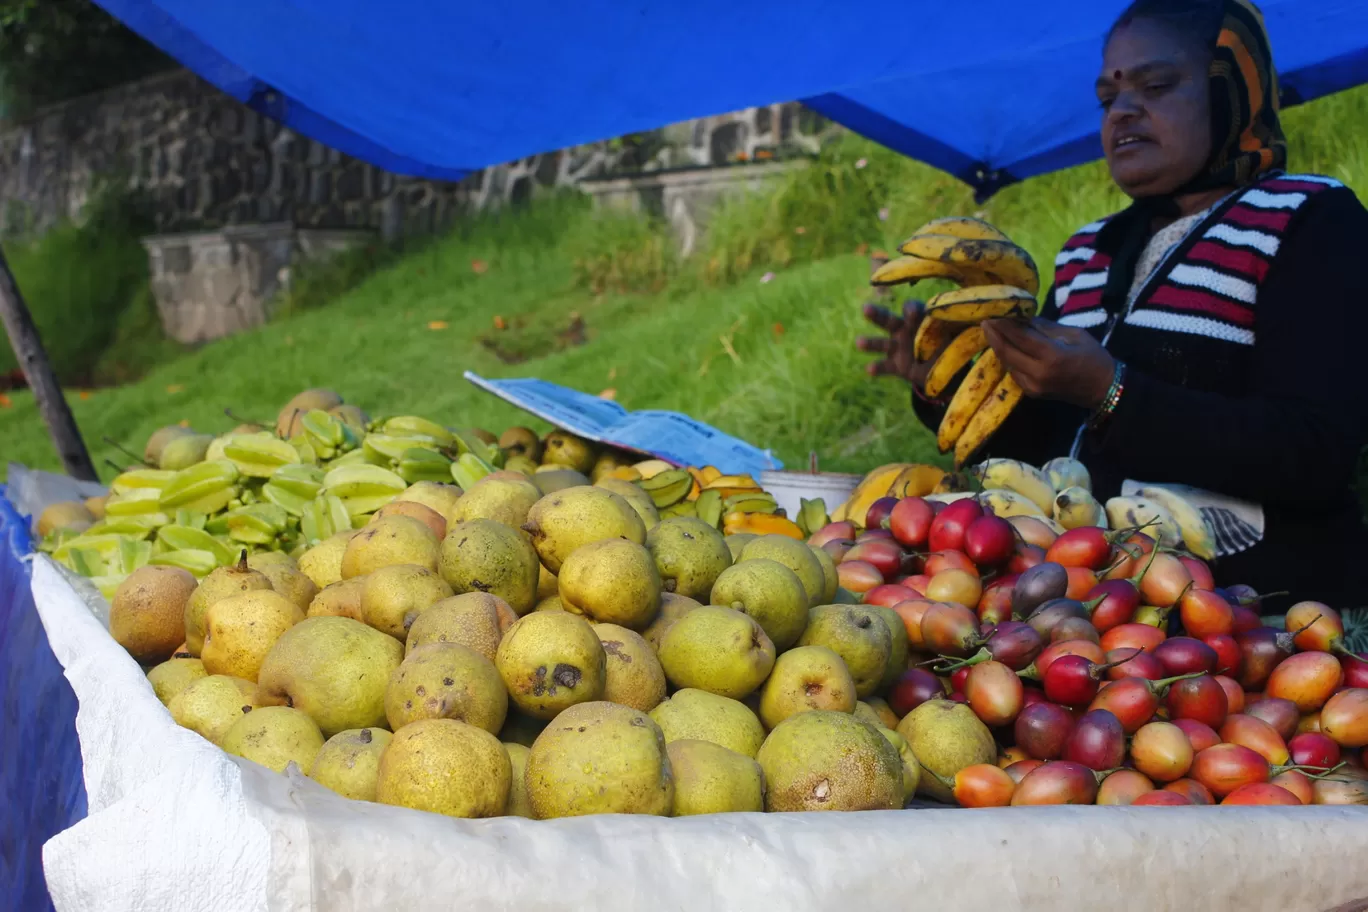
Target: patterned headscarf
1246 138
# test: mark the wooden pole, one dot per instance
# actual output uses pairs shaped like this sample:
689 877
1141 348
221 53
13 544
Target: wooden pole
33 360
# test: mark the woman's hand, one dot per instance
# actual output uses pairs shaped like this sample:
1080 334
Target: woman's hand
1050 361
898 359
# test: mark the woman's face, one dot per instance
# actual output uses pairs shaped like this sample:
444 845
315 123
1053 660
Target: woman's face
1156 122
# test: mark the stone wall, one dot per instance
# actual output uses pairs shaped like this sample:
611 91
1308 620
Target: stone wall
205 162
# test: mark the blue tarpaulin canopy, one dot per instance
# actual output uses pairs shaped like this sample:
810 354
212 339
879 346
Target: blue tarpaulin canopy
991 91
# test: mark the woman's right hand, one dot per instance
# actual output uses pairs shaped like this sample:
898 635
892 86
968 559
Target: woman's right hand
897 348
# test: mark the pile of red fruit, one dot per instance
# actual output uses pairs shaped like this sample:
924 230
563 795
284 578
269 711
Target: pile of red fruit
1109 670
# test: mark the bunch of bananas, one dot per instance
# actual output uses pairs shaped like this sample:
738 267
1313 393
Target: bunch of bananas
732 503
997 279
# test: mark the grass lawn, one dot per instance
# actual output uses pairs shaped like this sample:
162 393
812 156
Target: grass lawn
769 360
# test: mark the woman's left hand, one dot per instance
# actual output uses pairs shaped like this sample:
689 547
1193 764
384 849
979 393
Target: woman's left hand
1050 361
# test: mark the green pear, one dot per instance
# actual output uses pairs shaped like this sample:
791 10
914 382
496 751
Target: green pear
737 541
436 496
519 804
445 767
521 729
285 576
475 619
323 562
697 714
241 629
220 583
147 612
911 765
804 679
600 758
635 496
349 762
483 555
672 608
566 520
856 633
831 580
502 500
876 711
211 705
690 555
769 592
333 668
174 675
446 681
275 736
393 597
897 653
945 737
633 676
551 660
611 582
709 779
390 540
561 448
794 554
549 479
830 761
339 599
718 650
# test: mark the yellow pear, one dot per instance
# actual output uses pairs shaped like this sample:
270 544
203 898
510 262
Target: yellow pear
718 650
519 805
275 736
690 555
804 679
475 619
562 448
483 555
393 597
636 497
521 441
242 628
553 603
898 645
446 767
349 762
769 592
220 583
446 681
830 761
737 541
945 737
392 540
856 633
794 554
500 499
212 704
147 613
339 599
438 497
633 674
911 766
876 711
323 562
831 581
547 584
285 576
709 779
551 660
697 714
611 582
672 608
566 520
424 514
174 675
599 758
333 668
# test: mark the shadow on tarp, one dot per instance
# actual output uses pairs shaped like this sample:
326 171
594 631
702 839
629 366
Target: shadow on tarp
42 791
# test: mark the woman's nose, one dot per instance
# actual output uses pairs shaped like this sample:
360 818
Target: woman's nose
1125 107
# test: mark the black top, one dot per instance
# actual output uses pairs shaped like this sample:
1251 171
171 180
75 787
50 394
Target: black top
1280 423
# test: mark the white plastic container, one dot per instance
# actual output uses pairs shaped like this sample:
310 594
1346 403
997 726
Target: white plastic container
790 488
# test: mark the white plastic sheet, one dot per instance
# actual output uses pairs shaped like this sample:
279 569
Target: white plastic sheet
175 824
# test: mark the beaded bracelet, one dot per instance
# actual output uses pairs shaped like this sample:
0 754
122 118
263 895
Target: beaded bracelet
1113 397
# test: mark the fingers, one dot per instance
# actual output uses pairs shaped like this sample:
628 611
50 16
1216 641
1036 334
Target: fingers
874 344
882 368
882 318
1020 336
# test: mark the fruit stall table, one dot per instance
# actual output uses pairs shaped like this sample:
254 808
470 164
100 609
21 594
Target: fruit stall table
176 823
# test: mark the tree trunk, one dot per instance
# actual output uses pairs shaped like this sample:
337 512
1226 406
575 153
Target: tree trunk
33 360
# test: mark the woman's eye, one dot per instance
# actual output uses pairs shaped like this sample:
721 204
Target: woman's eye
1158 88
1105 102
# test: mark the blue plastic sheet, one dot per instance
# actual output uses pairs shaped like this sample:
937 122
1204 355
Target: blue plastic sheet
990 92
41 788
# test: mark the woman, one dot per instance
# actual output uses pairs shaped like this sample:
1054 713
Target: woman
1209 334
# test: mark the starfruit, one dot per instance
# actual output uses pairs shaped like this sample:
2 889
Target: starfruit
293 486
682 508
140 478
415 426
203 488
259 455
135 527
355 457
488 453
106 546
326 433
258 524
708 507
812 515
362 481
419 464
108 584
188 518
198 563
323 518
667 488
141 502
750 502
387 449
183 538
469 469
85 561
134 554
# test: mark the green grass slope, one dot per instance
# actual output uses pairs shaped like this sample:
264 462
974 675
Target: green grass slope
768 358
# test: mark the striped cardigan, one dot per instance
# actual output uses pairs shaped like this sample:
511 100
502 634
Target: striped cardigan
1209 284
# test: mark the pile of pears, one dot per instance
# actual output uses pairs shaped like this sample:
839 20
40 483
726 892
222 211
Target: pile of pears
506 650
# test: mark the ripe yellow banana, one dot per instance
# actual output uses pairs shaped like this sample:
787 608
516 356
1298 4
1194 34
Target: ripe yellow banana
1075 507
988 418
1141 511
916 480
959 226
1013 475
984 261
953 359
1007 504
1065 472
981 302
913 269
973 390
932 336
1197 534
